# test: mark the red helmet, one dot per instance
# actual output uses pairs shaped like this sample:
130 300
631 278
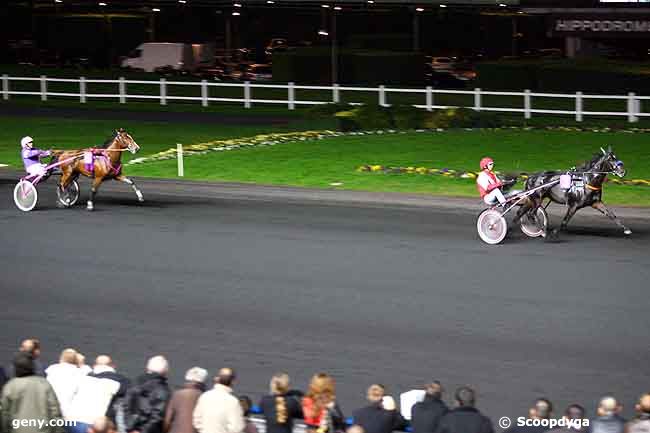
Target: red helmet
485 161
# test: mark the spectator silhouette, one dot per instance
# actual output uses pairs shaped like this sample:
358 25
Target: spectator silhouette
465 417
28 397
147 398
321 412
426 414
217 410
279 408
178 416
380 416
573 412
641 423
608 419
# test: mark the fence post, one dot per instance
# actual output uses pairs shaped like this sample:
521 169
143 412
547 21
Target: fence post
292 96
336 93
477 99
578 106
204 93
43 88
122 91
179 157
163 91
631 108
382 96
527 104
429 95
5 87
82 90
247 94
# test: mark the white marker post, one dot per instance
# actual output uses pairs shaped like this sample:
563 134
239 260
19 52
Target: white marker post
179 152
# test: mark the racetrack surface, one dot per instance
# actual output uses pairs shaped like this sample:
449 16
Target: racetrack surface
368 287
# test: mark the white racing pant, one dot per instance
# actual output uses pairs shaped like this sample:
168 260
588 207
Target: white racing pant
493 196
36 169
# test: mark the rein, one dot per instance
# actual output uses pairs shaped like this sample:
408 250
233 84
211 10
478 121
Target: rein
587 185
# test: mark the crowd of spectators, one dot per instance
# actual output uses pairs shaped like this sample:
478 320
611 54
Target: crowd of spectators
99 399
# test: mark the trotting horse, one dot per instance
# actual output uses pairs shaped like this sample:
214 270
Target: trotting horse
100 164
586 189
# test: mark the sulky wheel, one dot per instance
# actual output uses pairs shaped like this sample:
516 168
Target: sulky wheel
534 223
25 195
70 195
492 226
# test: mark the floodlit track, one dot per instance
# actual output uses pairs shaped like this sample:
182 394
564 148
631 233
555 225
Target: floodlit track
369 287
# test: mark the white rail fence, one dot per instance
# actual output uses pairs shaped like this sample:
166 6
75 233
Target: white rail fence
633 103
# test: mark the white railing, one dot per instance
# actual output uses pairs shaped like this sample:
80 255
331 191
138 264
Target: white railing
633 102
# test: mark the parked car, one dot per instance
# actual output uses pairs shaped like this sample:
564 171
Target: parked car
215 70
442 64
257 72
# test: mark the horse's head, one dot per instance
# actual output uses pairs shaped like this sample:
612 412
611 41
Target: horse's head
125 141
611 163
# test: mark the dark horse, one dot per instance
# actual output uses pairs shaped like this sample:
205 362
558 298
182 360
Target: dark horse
100 164
586 187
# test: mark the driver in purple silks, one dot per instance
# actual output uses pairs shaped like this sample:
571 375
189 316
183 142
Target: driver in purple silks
31 157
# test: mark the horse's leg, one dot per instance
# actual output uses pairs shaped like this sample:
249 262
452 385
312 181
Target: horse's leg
573 208
128 181
93 190
528 205
599 205
64 181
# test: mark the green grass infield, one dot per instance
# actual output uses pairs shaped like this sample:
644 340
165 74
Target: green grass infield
333 162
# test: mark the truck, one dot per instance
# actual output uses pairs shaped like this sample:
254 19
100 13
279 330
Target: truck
150 56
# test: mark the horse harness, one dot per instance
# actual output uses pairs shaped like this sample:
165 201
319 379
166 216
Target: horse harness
92 154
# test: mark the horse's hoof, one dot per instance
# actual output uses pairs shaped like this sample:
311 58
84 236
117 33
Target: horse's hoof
140 199
627 231
90 206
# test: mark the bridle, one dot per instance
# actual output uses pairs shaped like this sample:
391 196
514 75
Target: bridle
131 146
614 164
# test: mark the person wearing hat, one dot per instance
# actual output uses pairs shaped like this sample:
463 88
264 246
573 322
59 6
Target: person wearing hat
489 185
31 157
178 415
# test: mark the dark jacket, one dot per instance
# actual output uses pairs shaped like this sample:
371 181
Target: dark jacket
121 393
269 405
426 414
375 419
465 420
607 424
146 402
178 416
10 372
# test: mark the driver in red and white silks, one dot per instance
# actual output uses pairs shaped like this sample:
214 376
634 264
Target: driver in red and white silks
31 156
489 185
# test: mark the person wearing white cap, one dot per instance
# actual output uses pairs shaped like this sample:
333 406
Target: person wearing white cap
31 157
178 416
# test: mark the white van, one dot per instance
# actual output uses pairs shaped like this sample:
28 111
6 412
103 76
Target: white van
152 55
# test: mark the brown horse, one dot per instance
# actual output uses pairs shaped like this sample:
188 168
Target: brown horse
100 164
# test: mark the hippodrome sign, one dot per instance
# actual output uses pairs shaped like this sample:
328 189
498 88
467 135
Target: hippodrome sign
601 25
